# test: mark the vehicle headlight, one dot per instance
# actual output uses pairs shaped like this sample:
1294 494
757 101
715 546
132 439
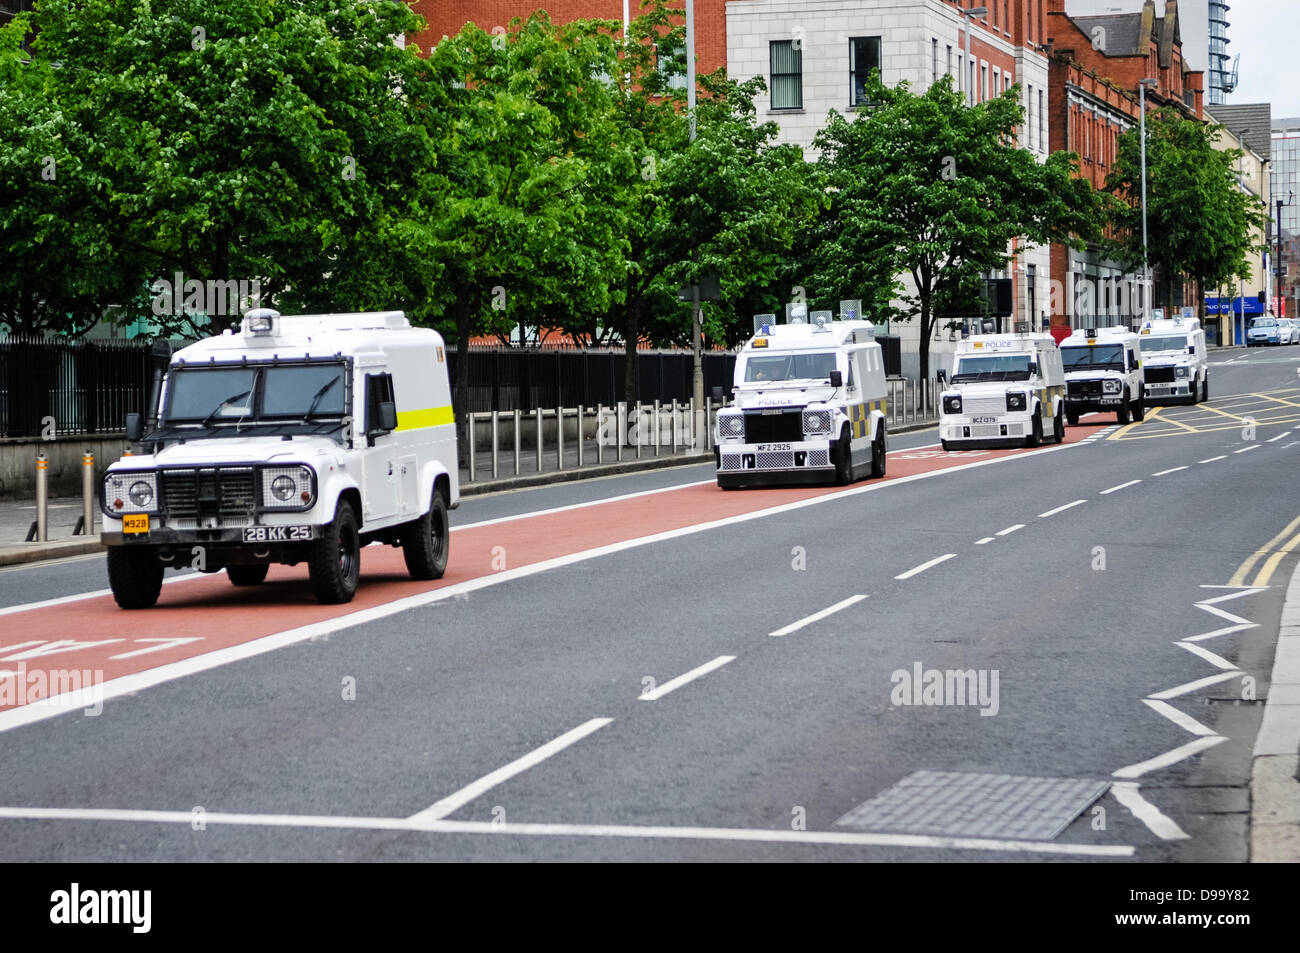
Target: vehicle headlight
816 421
731 425
130 492
952 405
1180 372
1016 402
287 488
1110 387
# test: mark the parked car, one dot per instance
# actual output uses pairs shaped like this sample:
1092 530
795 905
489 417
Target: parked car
1291 329
1264 331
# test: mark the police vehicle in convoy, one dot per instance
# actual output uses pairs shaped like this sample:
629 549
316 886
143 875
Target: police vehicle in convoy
809 406
1103 372
1007 390
292 439
1174 361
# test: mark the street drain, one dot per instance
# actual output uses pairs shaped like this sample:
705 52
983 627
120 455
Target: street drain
959 804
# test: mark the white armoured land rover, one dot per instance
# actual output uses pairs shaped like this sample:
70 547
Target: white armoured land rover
1174 361
1103 372
809 407
294 439
1007 390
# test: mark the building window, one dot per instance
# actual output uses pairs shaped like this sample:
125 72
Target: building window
934 59
864 56
984 83
671 63
996 78
1031 289
1042 131
948 69
787 75
1029 120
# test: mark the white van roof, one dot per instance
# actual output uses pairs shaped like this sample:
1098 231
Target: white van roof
978 343
793 337
305 336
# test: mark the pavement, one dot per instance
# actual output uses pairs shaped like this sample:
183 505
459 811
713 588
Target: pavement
643 667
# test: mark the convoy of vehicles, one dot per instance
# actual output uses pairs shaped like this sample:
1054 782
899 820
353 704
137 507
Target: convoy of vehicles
809 406
293 439
1007 390
1103 373
1175 362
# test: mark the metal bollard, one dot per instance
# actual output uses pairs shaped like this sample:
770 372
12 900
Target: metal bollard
620 424
673 426
559 437
539 440
496 471
655 423
518 424
42 499
637 425
87 525
581 441
473 461
708 424
600 432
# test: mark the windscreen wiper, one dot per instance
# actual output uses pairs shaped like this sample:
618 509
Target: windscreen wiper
317 398
229 400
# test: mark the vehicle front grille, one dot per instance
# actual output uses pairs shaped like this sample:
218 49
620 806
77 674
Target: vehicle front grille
1083 388
1159 375
984 406
225 495
785 427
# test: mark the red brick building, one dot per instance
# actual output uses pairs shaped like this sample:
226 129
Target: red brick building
1096 65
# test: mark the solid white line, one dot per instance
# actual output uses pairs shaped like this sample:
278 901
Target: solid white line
924 566
681 680
1194 686
129 684
1169 757
1245 591
1120 487
1183 721
1253 446
1218 661
62 600
1010 529
1061 509
1126 792
454 802
817 616
1171 470
1213 459
1278 437
986 539
1221 613
827 838
1217 632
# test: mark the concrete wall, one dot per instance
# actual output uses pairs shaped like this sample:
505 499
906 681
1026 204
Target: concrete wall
18 462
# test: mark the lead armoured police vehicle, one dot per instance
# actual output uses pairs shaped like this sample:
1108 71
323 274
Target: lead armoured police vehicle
1103 372
1174 361
809 407
1007 390
293 439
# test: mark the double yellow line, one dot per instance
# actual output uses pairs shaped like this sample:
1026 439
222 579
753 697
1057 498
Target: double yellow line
1275 557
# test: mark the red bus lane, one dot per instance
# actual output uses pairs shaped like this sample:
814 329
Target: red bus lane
41 648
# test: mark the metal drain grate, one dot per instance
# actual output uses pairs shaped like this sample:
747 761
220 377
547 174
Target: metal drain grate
958 804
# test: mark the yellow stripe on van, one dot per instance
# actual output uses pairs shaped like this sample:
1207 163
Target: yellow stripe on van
428 417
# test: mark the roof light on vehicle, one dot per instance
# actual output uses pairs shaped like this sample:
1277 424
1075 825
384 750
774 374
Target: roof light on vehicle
261 321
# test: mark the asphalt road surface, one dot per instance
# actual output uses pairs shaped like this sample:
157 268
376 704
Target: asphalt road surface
646 667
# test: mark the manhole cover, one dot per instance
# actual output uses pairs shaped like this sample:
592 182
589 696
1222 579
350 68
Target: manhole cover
958 804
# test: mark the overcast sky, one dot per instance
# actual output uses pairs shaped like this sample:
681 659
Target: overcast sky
1265 33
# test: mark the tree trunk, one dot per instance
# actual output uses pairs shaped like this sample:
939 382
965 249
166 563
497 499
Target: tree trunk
927 329
632 371
463 310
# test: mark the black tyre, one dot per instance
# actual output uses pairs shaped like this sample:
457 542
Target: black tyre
878 453
253 574
427 541
1058 427
1125 413
1036 435
1139 411
1205 388
335 561
1072 417
844 459
944 444
135 576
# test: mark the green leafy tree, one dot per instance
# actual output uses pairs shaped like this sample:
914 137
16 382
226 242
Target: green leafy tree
1199 220
250 140
930 189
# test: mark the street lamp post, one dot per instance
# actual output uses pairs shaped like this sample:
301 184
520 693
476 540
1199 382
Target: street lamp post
1278 263
1146 262
698 426
969 78
1241 183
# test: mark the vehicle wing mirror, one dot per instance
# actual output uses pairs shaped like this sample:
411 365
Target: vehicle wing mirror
134 428
387 415
1191 349
718 394
837 379
1033 368
941 376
